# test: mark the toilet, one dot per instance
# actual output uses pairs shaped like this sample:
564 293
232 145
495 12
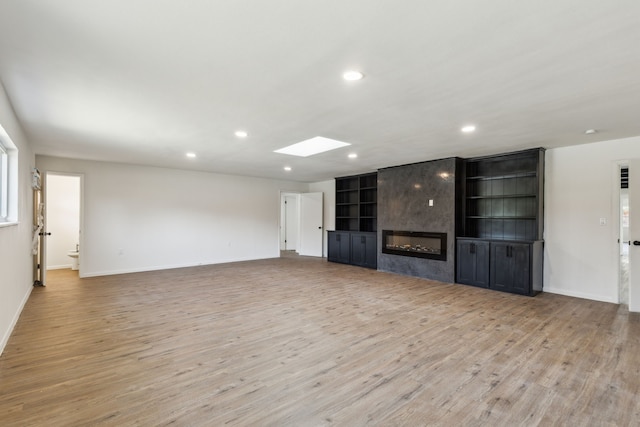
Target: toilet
75 255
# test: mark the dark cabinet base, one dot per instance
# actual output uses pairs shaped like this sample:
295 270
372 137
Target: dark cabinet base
506 266
473 263
353 247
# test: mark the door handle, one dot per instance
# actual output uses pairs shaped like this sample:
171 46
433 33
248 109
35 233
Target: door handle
636 243
320 228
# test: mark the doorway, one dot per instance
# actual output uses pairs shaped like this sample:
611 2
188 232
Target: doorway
629 235
624 240
301 223
63 247
289 221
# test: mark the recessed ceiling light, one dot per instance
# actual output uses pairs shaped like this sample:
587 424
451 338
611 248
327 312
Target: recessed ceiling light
312 146
191 155
352 75
590 131
287 168
241 134
353 156
468 129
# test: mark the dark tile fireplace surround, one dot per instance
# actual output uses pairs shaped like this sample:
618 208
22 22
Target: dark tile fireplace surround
404 195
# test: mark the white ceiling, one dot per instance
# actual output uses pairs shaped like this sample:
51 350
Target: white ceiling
145 81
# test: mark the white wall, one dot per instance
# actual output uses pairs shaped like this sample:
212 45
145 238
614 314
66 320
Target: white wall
63 218
139 218
16 261
329 208
581 256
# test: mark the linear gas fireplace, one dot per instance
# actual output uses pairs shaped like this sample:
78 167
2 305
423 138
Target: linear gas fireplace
415 243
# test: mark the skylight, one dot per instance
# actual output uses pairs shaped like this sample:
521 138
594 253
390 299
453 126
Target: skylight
312 146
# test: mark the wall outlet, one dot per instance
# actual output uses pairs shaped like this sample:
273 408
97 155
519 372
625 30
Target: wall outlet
603 221
120 251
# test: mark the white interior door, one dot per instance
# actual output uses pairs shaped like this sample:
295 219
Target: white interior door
311 229
634 235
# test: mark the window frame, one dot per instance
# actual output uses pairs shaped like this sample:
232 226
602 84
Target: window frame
8 180
4 184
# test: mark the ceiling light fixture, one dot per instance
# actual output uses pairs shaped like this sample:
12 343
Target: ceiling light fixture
287 168
353 156
241 134
352 75
191 155
590 131
468 129
312 146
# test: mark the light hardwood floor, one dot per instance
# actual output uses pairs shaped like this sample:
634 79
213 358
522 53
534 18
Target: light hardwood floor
303 342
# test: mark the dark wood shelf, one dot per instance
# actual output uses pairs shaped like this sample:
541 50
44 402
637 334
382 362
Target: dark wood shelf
500 244
506 196
500 217
508 176
355 239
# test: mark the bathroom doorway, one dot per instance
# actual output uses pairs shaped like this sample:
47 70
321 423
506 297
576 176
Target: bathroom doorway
63 220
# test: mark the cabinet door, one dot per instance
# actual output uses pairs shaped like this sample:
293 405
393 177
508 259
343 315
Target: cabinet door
511 267
363 250
338 250
473 262
482 264
501 267
521 269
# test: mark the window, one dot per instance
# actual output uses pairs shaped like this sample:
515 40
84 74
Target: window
4 183
8 179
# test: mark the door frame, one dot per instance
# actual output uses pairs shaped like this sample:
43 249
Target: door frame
283 225
297 193
81 239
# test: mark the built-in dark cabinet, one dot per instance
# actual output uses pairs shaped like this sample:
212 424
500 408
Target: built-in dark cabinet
354 241
503 214
503 196
364 249
339 249
357 203
473 262
356 248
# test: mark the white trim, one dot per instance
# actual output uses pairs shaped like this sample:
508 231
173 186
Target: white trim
59 267
615 221
171 267
580 295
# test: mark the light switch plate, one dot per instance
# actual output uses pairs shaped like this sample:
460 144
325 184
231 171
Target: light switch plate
430 202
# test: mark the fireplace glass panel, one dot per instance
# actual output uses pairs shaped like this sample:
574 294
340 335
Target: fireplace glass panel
416 244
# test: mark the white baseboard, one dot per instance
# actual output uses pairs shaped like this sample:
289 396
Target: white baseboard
16 316
164 267
58 267
579 295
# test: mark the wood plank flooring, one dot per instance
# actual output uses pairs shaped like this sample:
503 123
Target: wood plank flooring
303 342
